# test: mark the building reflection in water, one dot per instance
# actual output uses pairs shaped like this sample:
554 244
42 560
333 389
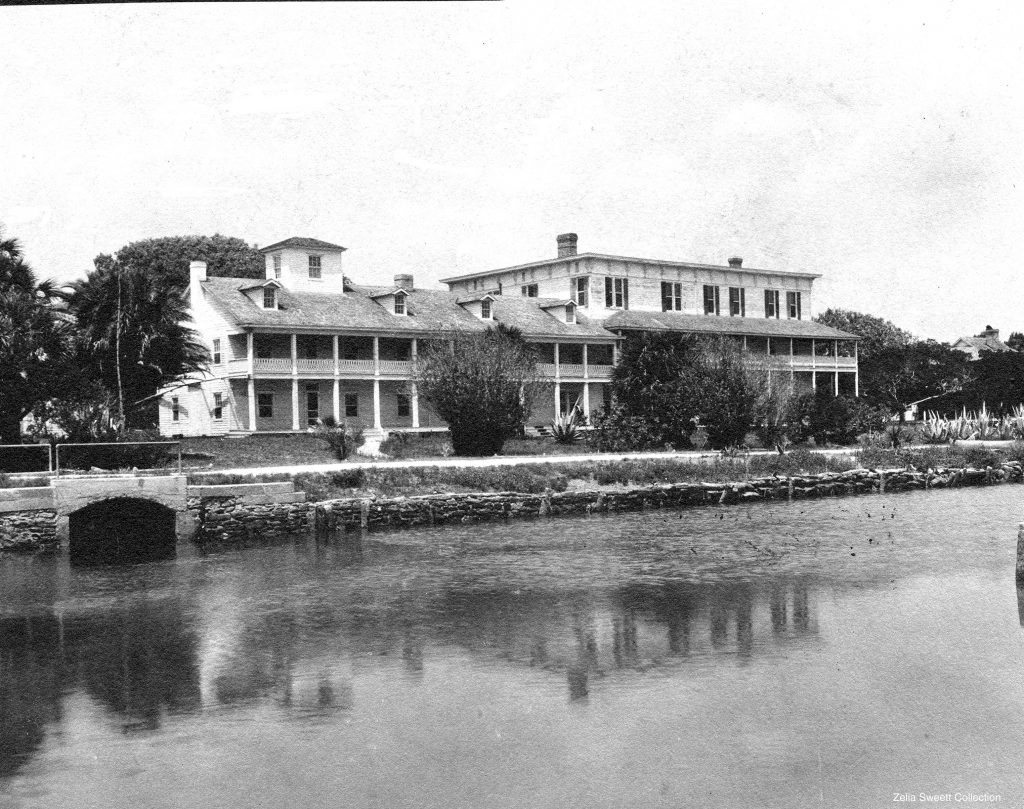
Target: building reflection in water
146 659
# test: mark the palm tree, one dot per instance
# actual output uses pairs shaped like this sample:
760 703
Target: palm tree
35 338
132 332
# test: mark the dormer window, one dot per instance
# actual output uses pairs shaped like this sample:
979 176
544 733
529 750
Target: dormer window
314 267
400 303
570 313
269 298
485 309
277 266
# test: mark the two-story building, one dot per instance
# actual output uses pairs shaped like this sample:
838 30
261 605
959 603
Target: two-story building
305 342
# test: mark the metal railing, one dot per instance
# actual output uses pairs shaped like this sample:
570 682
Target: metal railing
56 466
49 452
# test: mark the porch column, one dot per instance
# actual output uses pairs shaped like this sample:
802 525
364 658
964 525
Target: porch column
586 370
586 401
295 381
252 403
376 405
835 376
336 388
814 380
856 369
414 394
558 384
251 388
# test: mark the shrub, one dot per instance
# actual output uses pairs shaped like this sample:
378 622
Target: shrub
340 437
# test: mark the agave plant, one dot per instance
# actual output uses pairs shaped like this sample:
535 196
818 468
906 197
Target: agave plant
983 424
934 429
565 429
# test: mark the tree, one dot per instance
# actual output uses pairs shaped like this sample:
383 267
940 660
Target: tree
34 341
877 334
1016 341
169 257
482 384
132 336
666 384
997 382
897 376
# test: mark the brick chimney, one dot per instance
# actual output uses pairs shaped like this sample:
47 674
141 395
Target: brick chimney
567 244
990 332
736 261
404 281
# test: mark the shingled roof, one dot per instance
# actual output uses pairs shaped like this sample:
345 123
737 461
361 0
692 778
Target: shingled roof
705 324
302 243
429 311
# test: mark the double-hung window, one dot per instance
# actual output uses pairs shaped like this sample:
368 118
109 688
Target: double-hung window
216 351
265 405
269 298
579 289
403 405
175 409
400 303
485 309
616 293
711 300
277 267
771 303
529 290
218 406
671 296
314 267
737 301
351 405
793 305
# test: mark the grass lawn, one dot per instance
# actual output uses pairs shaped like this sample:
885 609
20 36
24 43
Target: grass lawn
260 450
284 450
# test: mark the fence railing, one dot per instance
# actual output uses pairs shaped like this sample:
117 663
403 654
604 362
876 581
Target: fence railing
29 447
56 467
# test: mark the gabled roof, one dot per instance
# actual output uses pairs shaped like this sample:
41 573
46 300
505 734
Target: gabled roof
549 304
474 298
712 324
302 243
430 311
983 344
270 282
385 293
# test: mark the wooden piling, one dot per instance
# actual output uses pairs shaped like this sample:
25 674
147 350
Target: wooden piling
1020 552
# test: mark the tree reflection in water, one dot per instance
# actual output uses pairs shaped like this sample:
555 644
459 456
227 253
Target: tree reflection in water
296 629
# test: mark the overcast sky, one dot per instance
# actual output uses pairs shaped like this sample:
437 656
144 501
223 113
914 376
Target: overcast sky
876 143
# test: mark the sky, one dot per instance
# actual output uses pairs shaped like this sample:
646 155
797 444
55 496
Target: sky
876 143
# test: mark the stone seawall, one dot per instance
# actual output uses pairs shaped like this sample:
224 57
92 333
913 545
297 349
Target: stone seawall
248 511
439 509
28 530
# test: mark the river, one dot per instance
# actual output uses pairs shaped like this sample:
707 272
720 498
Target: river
834 653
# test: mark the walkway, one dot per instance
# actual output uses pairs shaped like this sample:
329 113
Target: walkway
497 460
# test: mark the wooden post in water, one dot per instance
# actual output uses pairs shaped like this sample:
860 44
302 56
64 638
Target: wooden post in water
1020 552
789 490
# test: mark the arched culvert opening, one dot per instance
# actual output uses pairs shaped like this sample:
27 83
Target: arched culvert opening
121 529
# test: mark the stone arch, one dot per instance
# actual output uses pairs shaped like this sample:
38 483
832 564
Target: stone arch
122 529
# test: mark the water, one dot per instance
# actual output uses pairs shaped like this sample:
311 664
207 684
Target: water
831 653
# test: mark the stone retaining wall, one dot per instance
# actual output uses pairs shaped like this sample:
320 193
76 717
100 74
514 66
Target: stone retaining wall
438 509
233 518
28 530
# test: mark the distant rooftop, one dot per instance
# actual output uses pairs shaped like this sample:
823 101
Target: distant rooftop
302 243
